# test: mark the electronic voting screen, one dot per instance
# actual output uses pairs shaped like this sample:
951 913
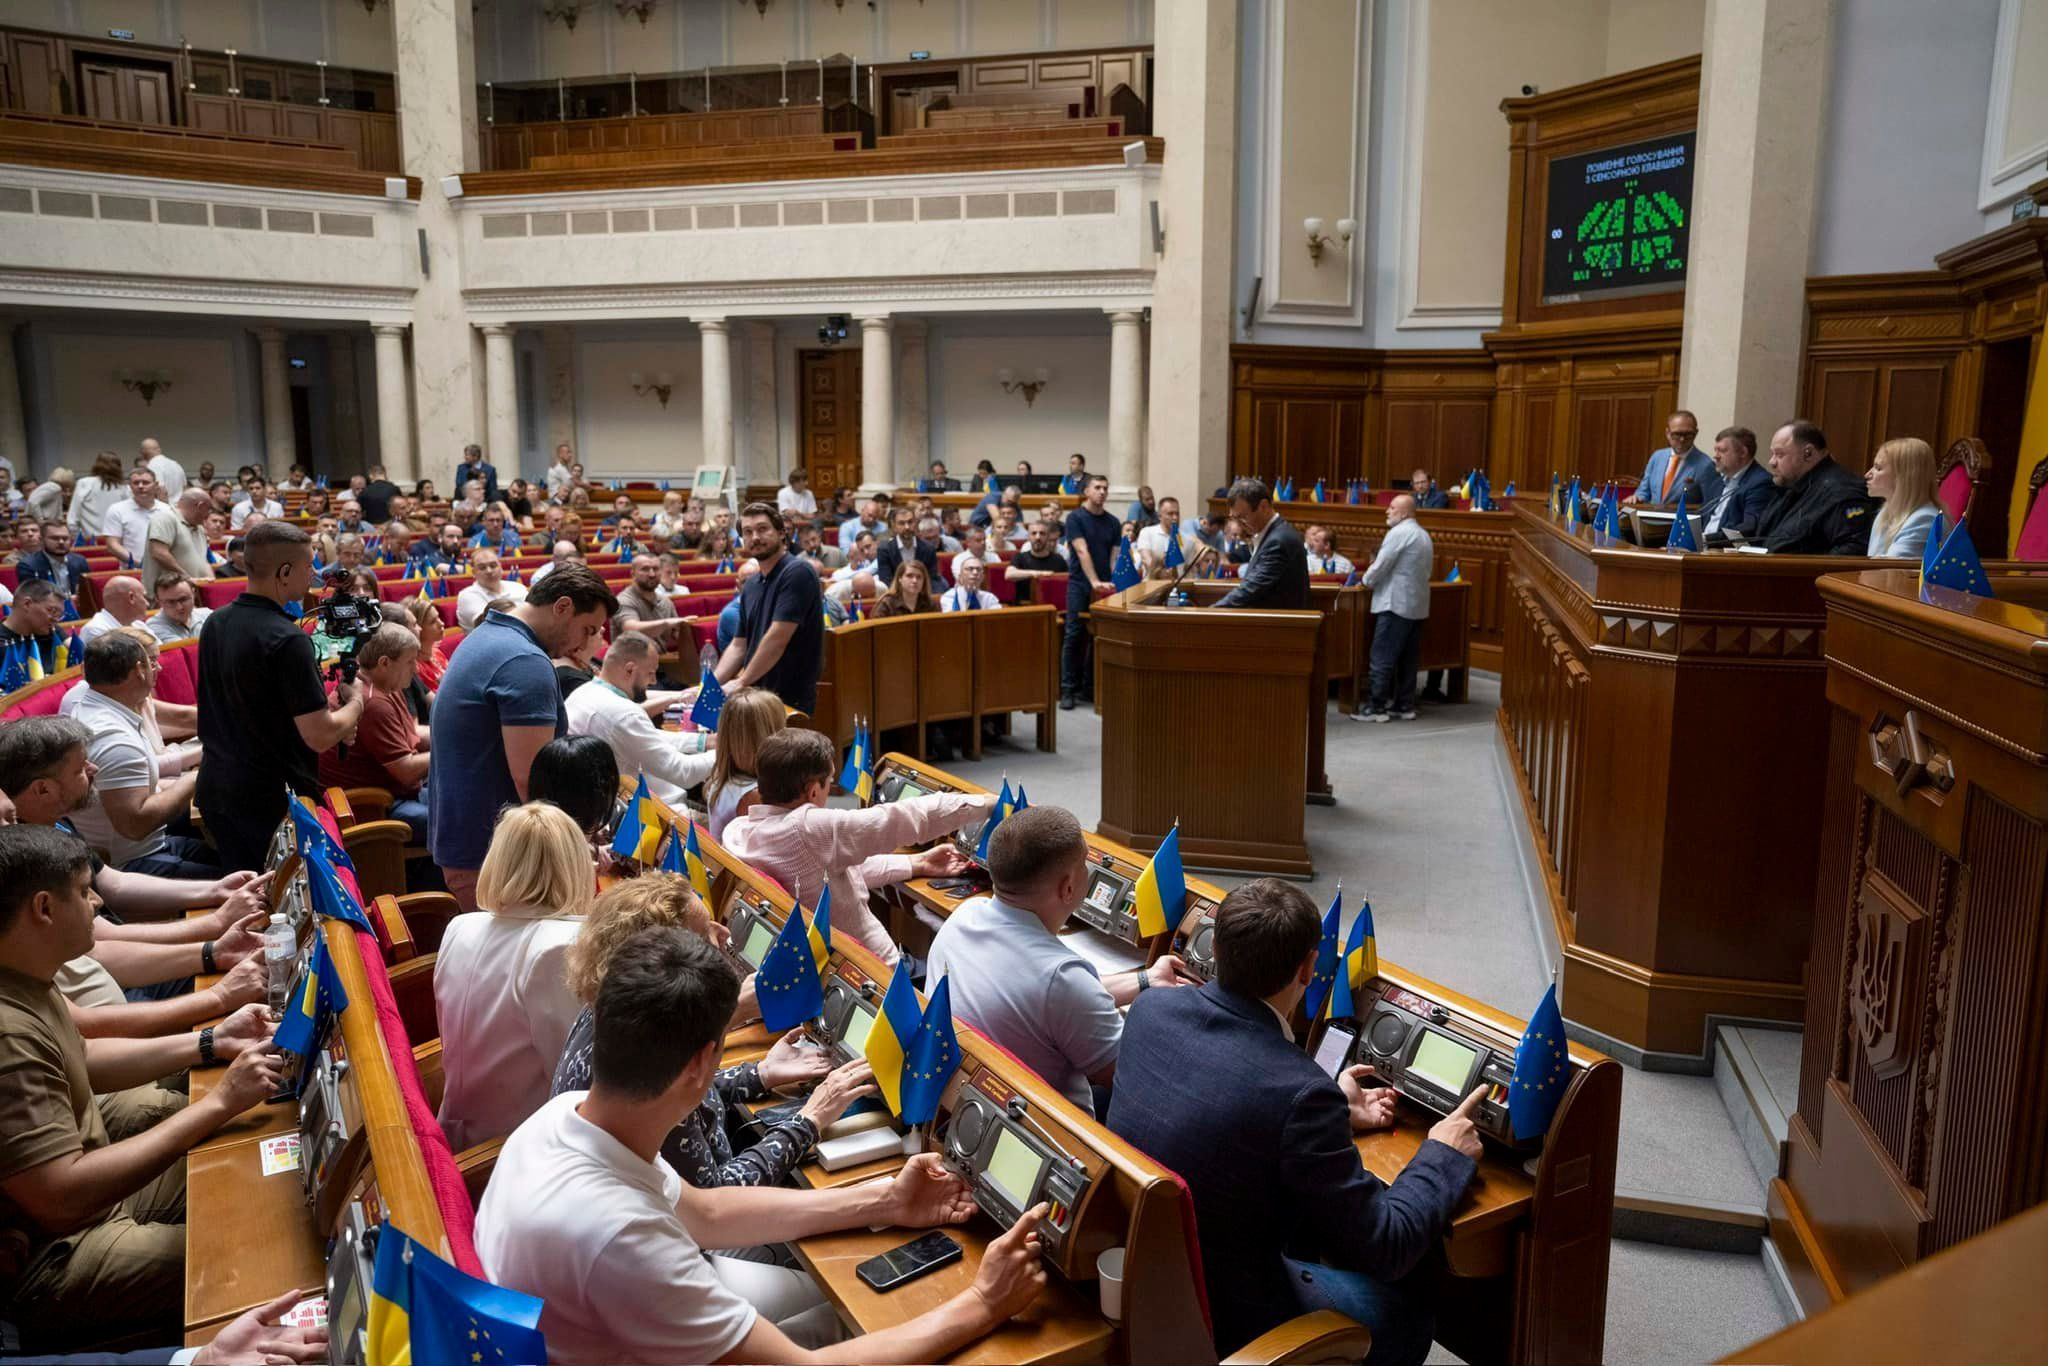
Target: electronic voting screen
1618 221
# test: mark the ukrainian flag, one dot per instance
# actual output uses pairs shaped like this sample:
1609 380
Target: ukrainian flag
931 1059
1361 965
424 1312
1004 807
69 651
1320 985
820 933
787 983
1456 575
1162 888
889 1041
855 777
304 1020
32 654
693 861
639 833
1317 494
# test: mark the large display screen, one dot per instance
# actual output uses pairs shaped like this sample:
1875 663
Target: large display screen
1618 221
860 1021
1013 1168
1443 1062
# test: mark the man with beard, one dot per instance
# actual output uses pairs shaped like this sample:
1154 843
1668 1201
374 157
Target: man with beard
614 708
781 640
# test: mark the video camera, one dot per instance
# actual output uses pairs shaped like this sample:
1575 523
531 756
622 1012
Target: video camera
348 620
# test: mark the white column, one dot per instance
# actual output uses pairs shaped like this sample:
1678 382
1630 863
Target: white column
280 449
1763 98
1189 445
1127 409
13 423
394 410
715 402
501 400
913 399
877 406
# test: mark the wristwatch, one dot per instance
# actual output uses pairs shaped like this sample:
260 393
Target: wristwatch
1144 979
206 963
207 1057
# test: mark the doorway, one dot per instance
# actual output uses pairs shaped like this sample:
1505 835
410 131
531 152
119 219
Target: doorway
2003 409
829 425
904 96
124 90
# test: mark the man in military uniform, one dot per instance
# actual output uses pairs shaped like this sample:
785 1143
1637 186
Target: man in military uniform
1821 508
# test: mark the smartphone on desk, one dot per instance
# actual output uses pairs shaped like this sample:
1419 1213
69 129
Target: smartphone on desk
959 886
900 1265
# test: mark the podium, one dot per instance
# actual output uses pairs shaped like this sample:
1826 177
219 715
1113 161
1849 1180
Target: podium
1213 718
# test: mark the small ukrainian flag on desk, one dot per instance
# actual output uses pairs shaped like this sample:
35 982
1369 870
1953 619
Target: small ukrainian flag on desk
684 857
1162 888
424 1312
894 1031
639 832
1361 964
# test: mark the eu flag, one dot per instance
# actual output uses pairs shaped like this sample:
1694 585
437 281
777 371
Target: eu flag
639 832
1174 558
787 983
1162 887
1956 565
710 702
1326 958
1509 491
1124 572
1542 1071
330 898
1681 529
995 818
13 672
1361 965
307 829
930 1060
1930 551
1021 802
424 1312
894 1031
70 609
320 996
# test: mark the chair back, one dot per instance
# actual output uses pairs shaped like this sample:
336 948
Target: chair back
2033 541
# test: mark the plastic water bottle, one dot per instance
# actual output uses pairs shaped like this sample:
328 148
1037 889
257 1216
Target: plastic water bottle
281 959
707 658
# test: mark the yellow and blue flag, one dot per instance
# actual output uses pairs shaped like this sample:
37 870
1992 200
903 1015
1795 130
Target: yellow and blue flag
639 832
1320 985
1543 1069
894 1031
1004 806
1162 888
931 1059
425 1312
820 933
1574 508
1956 565
70 651
1509 491
858 776
1681 529
306 1018
1456 575
1361 965
1021 802
686 856
1556 493
710 702
1318 494
787 983
329 896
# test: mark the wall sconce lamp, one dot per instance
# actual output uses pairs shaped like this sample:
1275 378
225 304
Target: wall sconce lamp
661 387
148 383
567 12
760 6
1030 388
370 6
1317 240
639 9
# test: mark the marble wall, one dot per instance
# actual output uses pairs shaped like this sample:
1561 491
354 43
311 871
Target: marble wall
973 419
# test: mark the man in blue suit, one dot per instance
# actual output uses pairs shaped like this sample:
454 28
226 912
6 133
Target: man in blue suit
1680 466
1264 1142
1746 487
55 561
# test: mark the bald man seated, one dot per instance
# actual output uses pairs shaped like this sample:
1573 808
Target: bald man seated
122 603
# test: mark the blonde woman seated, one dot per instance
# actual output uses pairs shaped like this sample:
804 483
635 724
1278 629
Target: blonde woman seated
501 982
717 1144
1902 473
910 591
751 715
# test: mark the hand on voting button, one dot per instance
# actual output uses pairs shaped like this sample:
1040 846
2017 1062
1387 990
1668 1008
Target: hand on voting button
1012 1273
1455 1129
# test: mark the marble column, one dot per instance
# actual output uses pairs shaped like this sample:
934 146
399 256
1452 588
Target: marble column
913 400
715 400
877 405
1127 406
501 398
762 463
394 409
280 446
437 126
1763 100
13 420
1189 422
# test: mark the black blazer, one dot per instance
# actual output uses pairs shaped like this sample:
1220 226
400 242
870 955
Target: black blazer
1753 493
1208 1085
1276 576
889 556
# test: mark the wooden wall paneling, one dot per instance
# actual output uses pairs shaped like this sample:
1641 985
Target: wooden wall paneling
945 665
38 60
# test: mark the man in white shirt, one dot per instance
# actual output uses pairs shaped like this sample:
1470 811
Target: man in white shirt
584 1213
796 502
614 706
792 836
130 802
170 475
256 498
490 585
1153 540
868 520
122 603
861 559
1012 977
1399 579
178 615
1323 557
566 552
967 594
125 529
561 474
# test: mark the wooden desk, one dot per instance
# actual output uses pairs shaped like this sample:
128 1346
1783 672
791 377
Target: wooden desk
248 1237
909 671
1170 674
1919 1123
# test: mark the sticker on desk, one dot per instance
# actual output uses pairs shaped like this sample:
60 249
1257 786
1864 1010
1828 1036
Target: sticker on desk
280 1154
307 1313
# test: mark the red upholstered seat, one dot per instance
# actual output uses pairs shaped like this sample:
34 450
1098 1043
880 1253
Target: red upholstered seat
10 577
42 702
220 592
1954 494
2033 542
705 631
179 682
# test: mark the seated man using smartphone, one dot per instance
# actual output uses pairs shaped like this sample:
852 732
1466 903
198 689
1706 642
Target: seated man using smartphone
583 1212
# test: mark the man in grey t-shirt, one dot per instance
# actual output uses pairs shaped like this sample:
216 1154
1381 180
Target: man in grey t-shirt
1013 977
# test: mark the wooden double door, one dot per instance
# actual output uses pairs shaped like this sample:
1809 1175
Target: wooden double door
125 92
829 429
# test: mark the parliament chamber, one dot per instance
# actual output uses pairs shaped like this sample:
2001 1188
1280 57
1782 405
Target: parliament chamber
961 680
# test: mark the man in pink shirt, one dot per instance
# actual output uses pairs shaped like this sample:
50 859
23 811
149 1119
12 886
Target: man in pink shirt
793 837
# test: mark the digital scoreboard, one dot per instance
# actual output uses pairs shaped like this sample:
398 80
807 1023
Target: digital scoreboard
1618 221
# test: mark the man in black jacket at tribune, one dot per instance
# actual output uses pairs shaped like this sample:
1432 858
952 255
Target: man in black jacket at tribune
1276 576
1821 508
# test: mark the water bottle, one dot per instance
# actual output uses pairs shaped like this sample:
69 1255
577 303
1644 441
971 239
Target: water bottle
707 658
281 958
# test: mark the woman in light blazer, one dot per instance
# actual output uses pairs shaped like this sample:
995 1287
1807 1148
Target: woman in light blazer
1902 473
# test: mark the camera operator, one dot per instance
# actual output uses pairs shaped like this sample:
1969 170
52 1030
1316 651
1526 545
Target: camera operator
263 713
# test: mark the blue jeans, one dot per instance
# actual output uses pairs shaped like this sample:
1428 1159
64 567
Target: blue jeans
181 856
1390 672
1401 1314
1077 653
413 811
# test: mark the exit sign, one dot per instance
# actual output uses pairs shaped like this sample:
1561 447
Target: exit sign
126 35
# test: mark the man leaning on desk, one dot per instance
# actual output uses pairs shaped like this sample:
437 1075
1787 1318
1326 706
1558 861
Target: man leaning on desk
1276 576
1264 1141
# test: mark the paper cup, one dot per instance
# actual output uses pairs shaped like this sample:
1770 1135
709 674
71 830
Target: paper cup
1109 1271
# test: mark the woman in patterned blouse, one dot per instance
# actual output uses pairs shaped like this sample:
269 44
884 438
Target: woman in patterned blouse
718 1145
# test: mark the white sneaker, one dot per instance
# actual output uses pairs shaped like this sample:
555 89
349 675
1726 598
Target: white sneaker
1376 717
1403 715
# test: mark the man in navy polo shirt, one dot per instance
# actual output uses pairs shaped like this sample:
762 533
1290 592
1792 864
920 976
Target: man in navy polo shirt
497 706
781 640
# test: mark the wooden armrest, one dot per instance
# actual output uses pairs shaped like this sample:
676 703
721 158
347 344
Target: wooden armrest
412 989
375 832
428 914
476 1165
1325 1335
427 1061
397 930
369 803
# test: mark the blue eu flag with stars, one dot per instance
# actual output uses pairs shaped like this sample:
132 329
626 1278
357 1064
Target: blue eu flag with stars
931 1059
1123 573
1955 565
1543 1069
1326 958
1681 529
710 702
787 983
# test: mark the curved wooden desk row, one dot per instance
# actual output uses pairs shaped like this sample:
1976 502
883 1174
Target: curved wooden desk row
942 666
